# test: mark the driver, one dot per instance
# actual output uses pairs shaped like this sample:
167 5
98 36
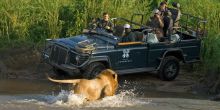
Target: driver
105 23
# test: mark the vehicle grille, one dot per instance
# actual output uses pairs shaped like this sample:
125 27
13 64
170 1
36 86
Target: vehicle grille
58 55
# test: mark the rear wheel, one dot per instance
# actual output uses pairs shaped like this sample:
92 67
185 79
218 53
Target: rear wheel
93 69
169 69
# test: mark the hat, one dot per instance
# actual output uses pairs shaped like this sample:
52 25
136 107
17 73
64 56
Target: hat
156 11
127 26
176 5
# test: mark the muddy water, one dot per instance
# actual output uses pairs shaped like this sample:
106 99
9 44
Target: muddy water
135 92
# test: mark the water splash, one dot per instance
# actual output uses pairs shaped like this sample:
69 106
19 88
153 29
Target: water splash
66 98
124 98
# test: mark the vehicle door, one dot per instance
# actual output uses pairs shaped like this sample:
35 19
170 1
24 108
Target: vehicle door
156 52
130 55
191 49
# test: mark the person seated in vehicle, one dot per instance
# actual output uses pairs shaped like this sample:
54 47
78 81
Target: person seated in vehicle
105 23
156 22
128 36
168 24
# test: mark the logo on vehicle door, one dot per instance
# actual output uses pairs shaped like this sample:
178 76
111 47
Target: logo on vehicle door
126 53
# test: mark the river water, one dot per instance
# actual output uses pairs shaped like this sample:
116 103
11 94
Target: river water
44 95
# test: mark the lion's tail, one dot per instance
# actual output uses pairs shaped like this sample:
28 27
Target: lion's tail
71 81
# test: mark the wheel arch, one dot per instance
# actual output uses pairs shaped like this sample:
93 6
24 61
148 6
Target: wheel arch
172 52
102 59
176 53
169 69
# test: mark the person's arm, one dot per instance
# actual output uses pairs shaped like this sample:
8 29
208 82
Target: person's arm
110 26
99 24
160 21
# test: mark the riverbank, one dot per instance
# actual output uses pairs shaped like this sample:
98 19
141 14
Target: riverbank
25 63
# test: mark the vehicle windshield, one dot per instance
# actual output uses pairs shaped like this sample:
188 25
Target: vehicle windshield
94 39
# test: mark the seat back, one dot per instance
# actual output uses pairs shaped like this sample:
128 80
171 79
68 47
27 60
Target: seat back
152 38
175 38
118 30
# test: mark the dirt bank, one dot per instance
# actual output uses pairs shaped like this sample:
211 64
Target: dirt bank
21 63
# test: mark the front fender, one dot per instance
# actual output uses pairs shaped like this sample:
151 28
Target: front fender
103 59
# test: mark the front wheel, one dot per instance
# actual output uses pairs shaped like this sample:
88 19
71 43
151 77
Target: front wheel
169 69
93 69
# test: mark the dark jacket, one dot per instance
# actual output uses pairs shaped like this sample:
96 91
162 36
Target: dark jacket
129 37
105 24
168 25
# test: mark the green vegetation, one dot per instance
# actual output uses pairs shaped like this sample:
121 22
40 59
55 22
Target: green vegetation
33 21
210 10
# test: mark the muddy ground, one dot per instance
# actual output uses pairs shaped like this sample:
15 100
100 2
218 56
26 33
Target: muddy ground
25 63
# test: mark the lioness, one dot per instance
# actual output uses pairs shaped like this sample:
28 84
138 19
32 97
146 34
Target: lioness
105 84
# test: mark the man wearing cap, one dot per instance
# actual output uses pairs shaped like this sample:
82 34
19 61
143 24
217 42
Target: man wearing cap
129 36
105 23
156 22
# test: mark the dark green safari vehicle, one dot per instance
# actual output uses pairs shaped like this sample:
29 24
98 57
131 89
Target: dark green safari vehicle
91 52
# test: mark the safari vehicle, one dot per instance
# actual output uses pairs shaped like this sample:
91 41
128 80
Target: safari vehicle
90 52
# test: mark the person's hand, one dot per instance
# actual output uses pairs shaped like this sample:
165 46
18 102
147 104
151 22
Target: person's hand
157 16
107 27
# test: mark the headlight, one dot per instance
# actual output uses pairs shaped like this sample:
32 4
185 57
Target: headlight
77 58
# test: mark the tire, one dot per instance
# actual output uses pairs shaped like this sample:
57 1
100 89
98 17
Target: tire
169 69
93 69
59 72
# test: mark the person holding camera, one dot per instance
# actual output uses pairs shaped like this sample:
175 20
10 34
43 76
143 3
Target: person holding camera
156 22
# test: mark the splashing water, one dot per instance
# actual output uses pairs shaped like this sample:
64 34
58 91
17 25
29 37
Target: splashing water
124 98
67 99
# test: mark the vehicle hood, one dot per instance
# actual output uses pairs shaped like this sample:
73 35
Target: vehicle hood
71 42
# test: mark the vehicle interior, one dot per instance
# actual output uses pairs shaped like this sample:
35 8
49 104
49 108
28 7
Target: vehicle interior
187 27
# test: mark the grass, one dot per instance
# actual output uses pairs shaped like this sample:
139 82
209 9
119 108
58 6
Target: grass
210 10
33 21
